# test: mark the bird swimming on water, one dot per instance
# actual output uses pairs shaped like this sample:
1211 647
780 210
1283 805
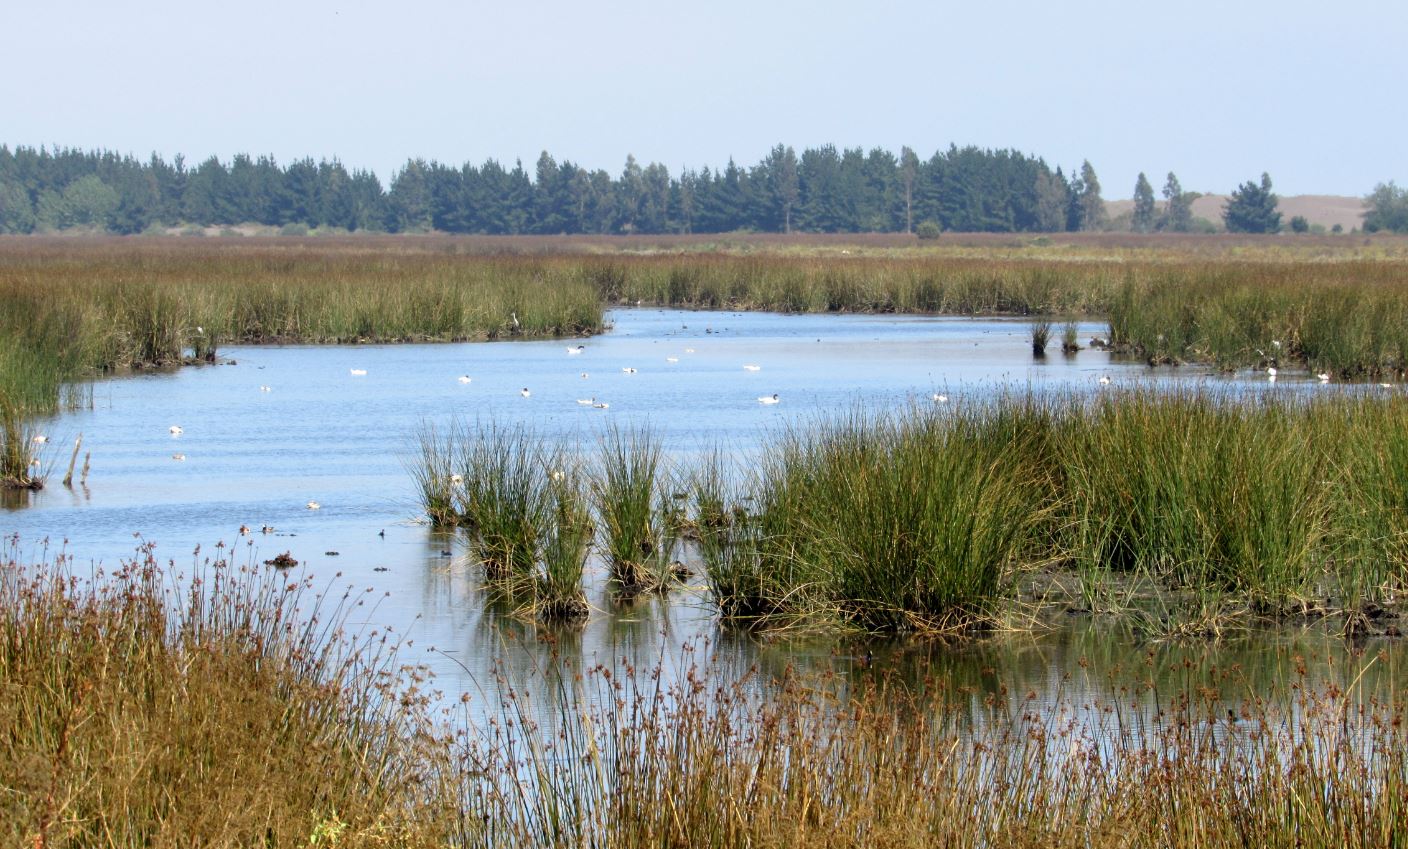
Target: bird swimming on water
773 399
524 392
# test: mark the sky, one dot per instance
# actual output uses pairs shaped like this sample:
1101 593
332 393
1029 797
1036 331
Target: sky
1217 91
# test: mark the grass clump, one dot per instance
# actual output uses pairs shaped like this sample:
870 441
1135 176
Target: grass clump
632 502
229 709
519 500
1041 335
890 523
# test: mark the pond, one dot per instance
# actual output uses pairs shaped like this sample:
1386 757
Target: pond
279 427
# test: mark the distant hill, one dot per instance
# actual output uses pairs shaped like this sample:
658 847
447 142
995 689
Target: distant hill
1326 210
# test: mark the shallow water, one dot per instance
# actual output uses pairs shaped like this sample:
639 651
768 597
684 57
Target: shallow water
321 433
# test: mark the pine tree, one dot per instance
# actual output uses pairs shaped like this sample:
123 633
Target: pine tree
1178 209
1143 205
1252 208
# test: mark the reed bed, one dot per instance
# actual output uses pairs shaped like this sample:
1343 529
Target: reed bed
1188 511
520 501
807 763
630 491
233 708
229 708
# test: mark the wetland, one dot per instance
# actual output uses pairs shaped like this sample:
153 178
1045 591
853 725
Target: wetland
1074 574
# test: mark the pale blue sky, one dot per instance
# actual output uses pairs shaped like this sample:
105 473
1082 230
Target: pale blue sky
1313 92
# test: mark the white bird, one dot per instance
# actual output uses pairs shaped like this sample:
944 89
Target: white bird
265 389
1271 372
629 370
464 378
313 505
576 350
939 398
1324 376
1385 385
769 400
178 457
586 402
752 368
40 439
672 359
1104 380
524 392
689 350
359 372
602 406
456 480
176 430
514 317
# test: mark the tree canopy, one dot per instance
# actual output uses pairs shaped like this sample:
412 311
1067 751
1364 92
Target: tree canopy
1387 209
1252 208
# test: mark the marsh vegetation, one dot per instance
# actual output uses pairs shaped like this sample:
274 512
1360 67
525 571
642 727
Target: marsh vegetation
236 706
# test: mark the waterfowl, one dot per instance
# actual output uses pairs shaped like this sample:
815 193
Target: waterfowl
939 398
1104 380
689 350
672 359
40 439
577 350
524 392
584 375
266 529
602 406
359 372
752 368
1324 376
313 505
456 480
769 400
244 530
629 370
265 389
464 378
178 457
1271 372
176 430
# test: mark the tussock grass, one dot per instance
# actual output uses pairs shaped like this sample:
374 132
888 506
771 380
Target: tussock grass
631 493
230 708
519 499
1185 509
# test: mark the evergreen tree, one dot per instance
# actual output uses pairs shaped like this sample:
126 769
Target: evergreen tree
1053 197
783 184
909 174
1178 209
1143 220
1090 206
1252 208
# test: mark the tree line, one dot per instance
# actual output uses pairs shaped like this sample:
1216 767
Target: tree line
824 189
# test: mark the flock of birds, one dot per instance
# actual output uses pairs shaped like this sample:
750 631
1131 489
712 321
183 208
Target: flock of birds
576 350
